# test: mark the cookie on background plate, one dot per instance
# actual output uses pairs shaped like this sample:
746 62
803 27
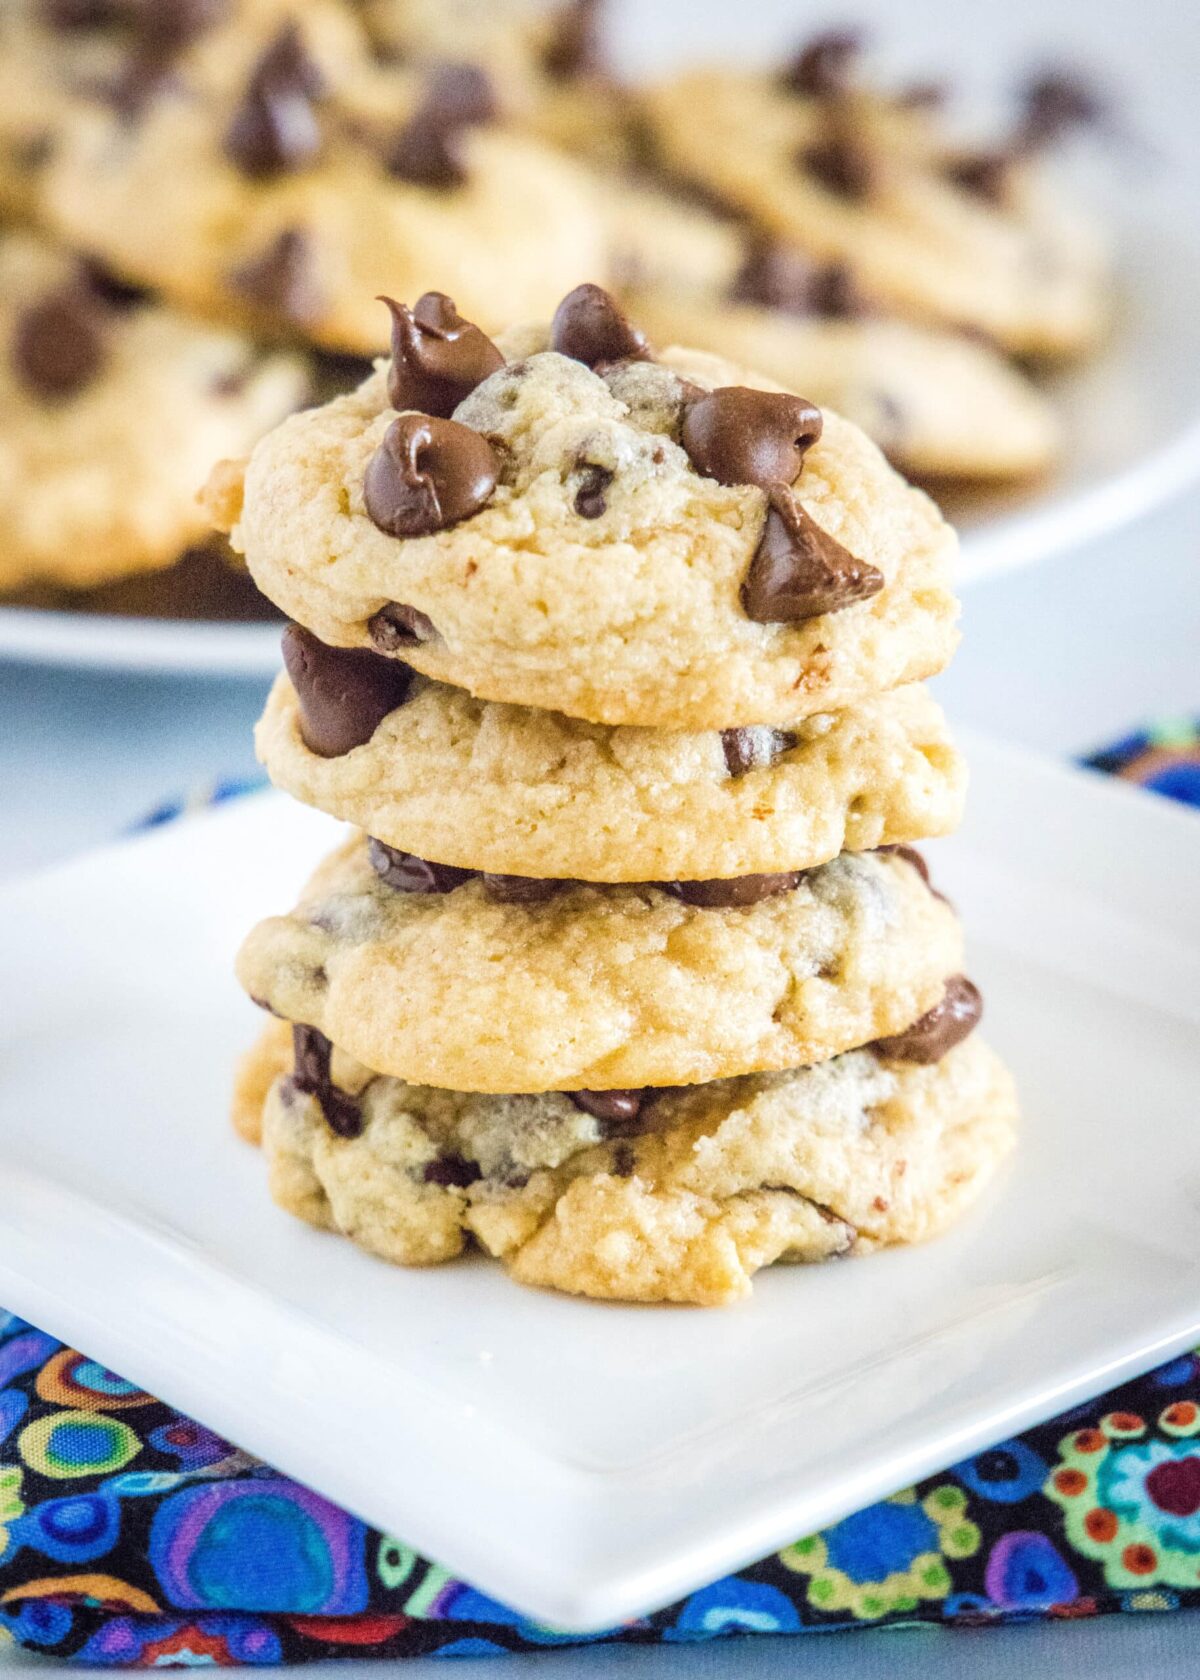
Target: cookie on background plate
506 983
671 1195
526 792
282 177
114 410
923 228
668 541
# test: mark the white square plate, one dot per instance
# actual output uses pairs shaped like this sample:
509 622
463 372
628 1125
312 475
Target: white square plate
589 1463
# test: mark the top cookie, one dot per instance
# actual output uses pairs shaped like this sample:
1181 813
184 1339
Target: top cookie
275 173
933 232
596 532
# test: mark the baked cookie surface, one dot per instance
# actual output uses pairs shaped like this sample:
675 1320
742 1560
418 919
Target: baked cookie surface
684 1203
589 563
524 792
114 410
492 983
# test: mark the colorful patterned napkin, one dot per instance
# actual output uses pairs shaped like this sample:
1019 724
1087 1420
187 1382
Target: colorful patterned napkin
132 1536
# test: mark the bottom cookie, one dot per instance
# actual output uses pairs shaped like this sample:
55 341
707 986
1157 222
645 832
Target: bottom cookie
682 1201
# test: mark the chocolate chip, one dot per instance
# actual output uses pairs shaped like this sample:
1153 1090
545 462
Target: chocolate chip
1056 101
521 889
428 150
623 1161
396 626
590 501
453 1172
68 15
590 328
618 1111
462 94
741 436
59 344
313 1054
912 856
775 275
940 1029
799 571
282 279
735 892
275 129
411 874
575 49
438 358
177 23
754 747
823 67
985 175
344 694
115 294
428 474
841 165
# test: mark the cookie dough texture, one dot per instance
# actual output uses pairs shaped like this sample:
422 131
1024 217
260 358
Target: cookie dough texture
602 986
103 483
633 617
1028 272
936 403
158 198
523 792
805 1165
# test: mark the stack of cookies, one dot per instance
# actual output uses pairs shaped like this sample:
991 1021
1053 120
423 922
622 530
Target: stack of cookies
627 973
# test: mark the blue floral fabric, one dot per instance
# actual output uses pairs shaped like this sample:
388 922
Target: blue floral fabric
132 1536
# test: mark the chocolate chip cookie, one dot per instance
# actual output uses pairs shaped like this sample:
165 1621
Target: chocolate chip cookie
567 520
681 1196
114 410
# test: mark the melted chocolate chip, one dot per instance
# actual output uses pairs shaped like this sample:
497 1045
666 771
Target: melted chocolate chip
438 358
623 1161
735 892
69 15
411 874
823 67
521 889
282 280
177 23
453 1172
575 49
617 1111
912 856
985 175
428 150
148 70
590 328
841 165
741 436
1056 101
344 694
396 626
775 275
428 474
590 501
59 344
275 129
799 571
117 295
940 1029
462 94
754 748
313 1054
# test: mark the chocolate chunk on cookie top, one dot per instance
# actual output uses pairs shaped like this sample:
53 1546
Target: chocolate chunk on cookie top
564 518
